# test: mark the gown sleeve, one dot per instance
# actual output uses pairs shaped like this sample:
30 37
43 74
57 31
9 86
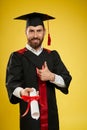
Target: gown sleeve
60 69
13 76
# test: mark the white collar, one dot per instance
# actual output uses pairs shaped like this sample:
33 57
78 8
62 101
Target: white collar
36 52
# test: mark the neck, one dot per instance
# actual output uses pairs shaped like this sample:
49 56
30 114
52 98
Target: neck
35 48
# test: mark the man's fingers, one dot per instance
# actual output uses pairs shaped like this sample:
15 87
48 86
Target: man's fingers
42 67
45 64
28 89
38 70
37 92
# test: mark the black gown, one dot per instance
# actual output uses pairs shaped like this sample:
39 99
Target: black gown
21 72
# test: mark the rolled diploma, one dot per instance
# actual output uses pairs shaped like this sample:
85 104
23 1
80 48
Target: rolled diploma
35 114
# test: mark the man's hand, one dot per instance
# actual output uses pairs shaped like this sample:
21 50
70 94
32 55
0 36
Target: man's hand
45 74
26 91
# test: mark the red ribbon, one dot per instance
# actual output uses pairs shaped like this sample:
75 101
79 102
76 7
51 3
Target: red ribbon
44 108
29 99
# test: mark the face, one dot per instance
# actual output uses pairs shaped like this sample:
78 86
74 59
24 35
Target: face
35 36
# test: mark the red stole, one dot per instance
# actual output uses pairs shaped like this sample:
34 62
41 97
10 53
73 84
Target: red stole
44 105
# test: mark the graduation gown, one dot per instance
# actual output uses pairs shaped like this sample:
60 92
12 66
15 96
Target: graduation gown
21 72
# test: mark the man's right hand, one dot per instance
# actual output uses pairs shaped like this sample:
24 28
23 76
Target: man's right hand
26 91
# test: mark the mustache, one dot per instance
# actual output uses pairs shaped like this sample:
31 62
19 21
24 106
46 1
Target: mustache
35 39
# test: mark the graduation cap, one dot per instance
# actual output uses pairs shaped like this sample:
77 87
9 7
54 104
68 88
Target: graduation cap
35 19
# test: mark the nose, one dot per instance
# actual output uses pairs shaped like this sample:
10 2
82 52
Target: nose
35 34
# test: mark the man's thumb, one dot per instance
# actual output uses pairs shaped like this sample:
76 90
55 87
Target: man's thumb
45 64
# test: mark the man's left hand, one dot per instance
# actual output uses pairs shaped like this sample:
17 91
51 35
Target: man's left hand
45 74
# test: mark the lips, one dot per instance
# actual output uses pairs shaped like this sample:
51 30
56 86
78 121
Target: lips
35 40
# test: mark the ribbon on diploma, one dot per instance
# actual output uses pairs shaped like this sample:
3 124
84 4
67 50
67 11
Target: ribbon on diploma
28 99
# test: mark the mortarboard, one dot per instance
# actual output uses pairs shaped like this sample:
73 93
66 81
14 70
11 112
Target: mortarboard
35 19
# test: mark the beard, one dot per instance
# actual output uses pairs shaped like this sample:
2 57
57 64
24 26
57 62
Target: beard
35 43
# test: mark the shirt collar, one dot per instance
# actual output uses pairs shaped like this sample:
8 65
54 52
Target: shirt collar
36 52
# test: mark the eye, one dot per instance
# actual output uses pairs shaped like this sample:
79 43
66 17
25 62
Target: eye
39 30
31 31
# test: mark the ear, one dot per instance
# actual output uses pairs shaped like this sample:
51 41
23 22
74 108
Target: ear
44 31
26 31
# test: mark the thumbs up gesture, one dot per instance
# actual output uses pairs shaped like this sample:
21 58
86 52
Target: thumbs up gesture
45 74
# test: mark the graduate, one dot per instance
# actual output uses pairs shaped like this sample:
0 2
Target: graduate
36 67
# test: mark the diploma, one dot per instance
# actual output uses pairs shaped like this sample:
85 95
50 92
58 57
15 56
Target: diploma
35 114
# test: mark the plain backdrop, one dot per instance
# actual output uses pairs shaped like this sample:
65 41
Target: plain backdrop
69 37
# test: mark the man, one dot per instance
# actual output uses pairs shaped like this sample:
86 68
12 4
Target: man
39 68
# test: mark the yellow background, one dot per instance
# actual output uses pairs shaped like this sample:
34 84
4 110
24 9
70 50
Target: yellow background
69 38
